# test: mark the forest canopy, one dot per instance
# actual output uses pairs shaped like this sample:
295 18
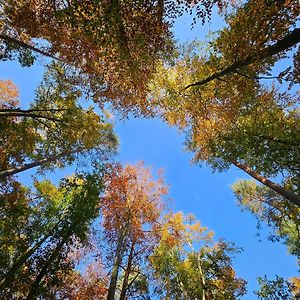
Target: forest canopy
106 229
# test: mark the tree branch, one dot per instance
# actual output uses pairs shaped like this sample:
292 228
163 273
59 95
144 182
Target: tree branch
22 44
288 41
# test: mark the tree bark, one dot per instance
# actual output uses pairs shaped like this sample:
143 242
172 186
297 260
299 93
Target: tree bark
287 194
19 43
116 266
127 273
288 41
43 272
40 162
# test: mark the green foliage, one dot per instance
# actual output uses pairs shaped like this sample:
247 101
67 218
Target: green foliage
275 289
267 206
60 217
188 264
55 126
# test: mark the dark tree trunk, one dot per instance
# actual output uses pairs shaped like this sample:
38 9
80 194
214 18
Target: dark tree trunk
24 257
19 43
127 273
116 266
26 113
287 194
9 275
288 41
32 293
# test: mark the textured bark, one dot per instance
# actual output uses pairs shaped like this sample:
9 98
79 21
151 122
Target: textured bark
288 41
287 194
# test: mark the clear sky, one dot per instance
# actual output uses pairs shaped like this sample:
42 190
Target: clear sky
194 189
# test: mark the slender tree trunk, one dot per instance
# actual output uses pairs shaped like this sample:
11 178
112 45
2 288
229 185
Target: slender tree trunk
116 266
19 43
43 272
127 273
24 257
21 261
201 277
40 162
24 113
201 274
287 194
288 41
51 110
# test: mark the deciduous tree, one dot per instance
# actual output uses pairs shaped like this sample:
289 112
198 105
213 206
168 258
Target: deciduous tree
53 131
131 208
58 217
187 264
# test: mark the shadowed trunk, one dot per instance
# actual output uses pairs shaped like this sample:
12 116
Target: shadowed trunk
116 266
127 273
287 194
43 272
19 43
24 257
32 113
24 113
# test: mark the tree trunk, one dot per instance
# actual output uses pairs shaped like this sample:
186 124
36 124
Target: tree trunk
288 41
20 262
40 162
287 194
25 113
117 261
201 274
127 273
24 257
43 272
19 43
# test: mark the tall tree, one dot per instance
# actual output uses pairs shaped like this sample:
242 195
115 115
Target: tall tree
131 208
187 264
267 206
112 42
259 33
60 216
232 117
53 131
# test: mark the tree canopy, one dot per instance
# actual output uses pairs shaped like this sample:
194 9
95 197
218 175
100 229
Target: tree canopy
107 231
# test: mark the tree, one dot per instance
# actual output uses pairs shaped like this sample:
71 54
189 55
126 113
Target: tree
60 217
188 265
56 128
113 43
258 35
276 289
269 207
131 208
92 285
236 119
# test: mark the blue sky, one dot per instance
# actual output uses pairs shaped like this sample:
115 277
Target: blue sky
194 189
